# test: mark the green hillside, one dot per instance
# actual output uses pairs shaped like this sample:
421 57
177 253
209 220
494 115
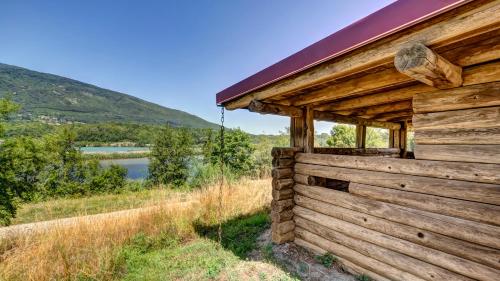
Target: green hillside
58 99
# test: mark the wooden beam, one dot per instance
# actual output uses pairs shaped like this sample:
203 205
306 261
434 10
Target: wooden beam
371 111
487 117
426 66
392 116
466 21
276 109
309 141
333 117
473 75
458 136
297 132
474 96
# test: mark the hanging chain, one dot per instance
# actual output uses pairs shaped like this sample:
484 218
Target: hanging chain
219 215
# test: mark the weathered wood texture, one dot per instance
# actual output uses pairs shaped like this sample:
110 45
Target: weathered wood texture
488 117
309 122
426 66
276 109
386 152
487 153
458 136
428 255
333 117
281 206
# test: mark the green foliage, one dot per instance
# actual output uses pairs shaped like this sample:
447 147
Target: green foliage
57 99
363 277
171 157
327 260
345 136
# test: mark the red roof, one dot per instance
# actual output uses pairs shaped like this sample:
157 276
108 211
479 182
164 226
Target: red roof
388 20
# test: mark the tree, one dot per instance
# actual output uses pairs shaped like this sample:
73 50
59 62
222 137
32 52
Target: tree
342 136
238 150
171 157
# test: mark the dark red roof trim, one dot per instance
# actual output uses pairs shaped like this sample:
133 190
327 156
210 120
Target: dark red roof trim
388 20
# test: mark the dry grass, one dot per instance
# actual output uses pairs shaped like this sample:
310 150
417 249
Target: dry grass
88 248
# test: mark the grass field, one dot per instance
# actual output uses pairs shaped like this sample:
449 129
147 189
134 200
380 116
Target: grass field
176 241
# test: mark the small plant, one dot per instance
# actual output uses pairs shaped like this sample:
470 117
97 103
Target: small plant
327 260
363 277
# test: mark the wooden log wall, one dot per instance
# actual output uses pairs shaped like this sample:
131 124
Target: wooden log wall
401 219
461 124
281 207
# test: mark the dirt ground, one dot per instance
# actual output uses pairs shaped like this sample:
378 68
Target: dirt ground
298 261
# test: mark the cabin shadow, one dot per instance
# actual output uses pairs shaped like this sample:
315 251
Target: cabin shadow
240 234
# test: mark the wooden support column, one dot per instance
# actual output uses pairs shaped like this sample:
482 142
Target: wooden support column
297 132
360 136
309 127
426 66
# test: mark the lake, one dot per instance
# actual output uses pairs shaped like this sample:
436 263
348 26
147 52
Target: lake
112 149
137 168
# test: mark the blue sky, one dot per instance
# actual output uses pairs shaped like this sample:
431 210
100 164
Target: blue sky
175 53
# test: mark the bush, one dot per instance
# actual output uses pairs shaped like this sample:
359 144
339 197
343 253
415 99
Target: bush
171 157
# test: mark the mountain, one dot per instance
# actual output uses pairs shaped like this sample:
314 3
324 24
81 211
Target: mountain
54 98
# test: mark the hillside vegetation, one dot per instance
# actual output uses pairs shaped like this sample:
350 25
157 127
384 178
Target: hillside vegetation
58 99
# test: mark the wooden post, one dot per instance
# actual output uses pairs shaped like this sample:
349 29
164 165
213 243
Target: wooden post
297 132
360 136
309 126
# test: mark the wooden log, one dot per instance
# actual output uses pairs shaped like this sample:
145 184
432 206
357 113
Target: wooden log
390 152
485 213
393 116
371 111
284 152
465 22
309 142
282 173
282 194
346 265
450 262
458 136
486 173
282 227
474 96
472 191
282 238
280 184
304 179
461 153
418 268
487 117
482 234
282 205
484 255
479 74
360 259
423 64
281 216
333 117
283 162
275 109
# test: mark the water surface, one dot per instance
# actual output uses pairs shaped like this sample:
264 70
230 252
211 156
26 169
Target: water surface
137 168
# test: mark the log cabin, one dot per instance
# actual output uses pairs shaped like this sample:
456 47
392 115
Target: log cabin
429 67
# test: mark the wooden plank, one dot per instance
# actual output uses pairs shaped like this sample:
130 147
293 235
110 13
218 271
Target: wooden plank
333 117
486 173
458 136
474 96
275 109
482 234
283 162
281 216
282 173
465 22
487 117
371 111
484 255
423 64
282 205
450 262
285 152
418 268
360 259
358 151
282 194
473 75
282 227
461 153
309 141
346 264
480 212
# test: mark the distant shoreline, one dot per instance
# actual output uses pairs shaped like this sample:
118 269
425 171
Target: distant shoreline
116 155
